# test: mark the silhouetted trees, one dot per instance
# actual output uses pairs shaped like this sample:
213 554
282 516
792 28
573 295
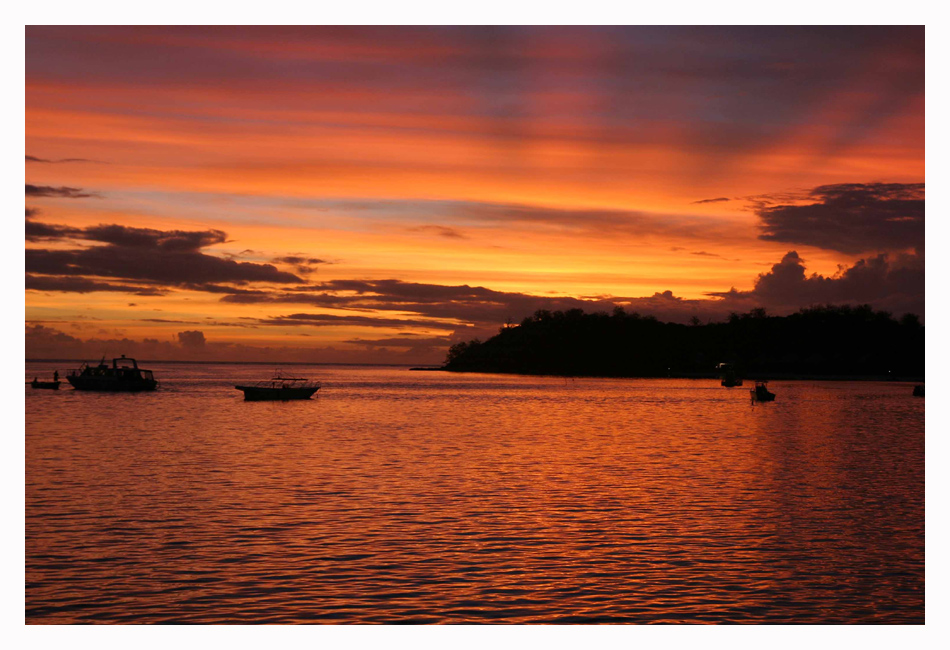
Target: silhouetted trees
825 340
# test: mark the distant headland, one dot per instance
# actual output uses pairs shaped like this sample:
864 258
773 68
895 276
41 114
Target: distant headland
820 342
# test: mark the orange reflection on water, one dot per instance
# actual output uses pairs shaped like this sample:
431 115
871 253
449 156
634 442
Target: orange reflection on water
426 497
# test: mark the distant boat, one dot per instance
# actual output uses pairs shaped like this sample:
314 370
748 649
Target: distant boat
124 376
761 392
919 390
729 376
51 385
280 389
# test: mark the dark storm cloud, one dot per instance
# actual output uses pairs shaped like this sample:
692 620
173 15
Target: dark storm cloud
151 264
171 257
37 231
58 192
166 240
894 284
74 284
43 335
719 200
849 218
192 339
125 236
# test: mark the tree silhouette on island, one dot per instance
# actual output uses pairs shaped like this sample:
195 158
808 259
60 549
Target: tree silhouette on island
823 341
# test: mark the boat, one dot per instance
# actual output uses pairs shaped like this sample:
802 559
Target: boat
919 390
729 376
123 376
761 392
51 385
279 389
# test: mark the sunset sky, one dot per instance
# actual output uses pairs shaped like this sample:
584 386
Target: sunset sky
373 194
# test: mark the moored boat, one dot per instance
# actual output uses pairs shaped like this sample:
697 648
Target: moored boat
123 376
727 372
280 389
761 392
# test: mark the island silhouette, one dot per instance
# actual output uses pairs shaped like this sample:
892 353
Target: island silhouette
828 341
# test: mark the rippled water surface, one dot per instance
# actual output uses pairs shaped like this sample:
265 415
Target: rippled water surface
425 497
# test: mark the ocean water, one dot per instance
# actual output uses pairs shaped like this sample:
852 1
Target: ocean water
428 497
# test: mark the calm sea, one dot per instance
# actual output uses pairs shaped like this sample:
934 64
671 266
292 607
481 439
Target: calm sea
426 497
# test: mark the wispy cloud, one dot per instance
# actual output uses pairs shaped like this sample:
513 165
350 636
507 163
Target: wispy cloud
441 231
72 284
47 191
34 159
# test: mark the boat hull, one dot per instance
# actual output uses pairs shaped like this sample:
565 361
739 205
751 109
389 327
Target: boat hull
258 394
762 396
112 384
49 385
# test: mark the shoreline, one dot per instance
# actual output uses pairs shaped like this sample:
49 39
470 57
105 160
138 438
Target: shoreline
777 376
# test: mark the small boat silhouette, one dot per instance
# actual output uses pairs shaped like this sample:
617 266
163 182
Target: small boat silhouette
279 388
761 392
730 378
